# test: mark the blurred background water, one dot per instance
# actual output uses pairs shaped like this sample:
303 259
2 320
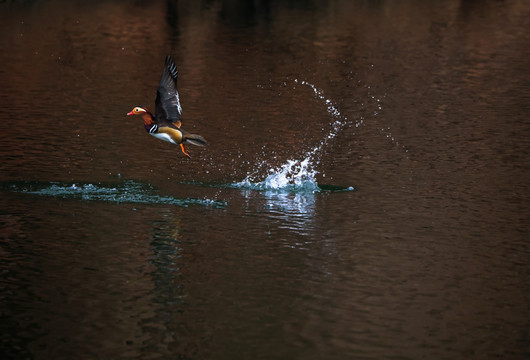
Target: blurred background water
364 193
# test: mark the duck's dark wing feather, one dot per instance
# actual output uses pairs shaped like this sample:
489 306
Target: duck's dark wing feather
167 98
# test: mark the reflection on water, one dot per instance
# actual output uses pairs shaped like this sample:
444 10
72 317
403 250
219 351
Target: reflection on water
114 245
287 210
294 212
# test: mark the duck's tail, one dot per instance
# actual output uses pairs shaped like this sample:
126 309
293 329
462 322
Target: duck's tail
194 139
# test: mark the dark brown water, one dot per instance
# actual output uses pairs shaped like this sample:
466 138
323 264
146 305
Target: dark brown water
411 115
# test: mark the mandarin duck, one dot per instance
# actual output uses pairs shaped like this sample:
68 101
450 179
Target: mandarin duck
165 124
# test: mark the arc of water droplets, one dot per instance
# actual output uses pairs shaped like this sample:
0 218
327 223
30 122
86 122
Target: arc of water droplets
300 174
336 126
340 120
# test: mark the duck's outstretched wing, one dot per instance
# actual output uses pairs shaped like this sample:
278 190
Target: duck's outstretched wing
167 98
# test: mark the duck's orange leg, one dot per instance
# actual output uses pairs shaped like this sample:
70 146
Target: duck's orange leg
184 151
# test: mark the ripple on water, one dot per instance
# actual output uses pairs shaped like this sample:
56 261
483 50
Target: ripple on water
124 192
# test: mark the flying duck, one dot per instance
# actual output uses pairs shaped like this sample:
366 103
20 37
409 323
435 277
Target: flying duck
165 124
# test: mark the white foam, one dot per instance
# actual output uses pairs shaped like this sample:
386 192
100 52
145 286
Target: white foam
295 174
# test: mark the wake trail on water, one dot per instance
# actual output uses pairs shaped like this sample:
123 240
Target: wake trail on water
127 191
299 175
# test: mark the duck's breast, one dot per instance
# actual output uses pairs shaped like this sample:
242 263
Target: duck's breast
173 136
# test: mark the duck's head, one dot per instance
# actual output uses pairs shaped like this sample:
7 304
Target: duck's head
138 111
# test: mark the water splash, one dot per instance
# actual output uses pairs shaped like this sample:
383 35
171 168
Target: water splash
125 192
299 175
295 175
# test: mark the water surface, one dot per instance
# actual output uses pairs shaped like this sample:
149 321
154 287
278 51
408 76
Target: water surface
364 192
